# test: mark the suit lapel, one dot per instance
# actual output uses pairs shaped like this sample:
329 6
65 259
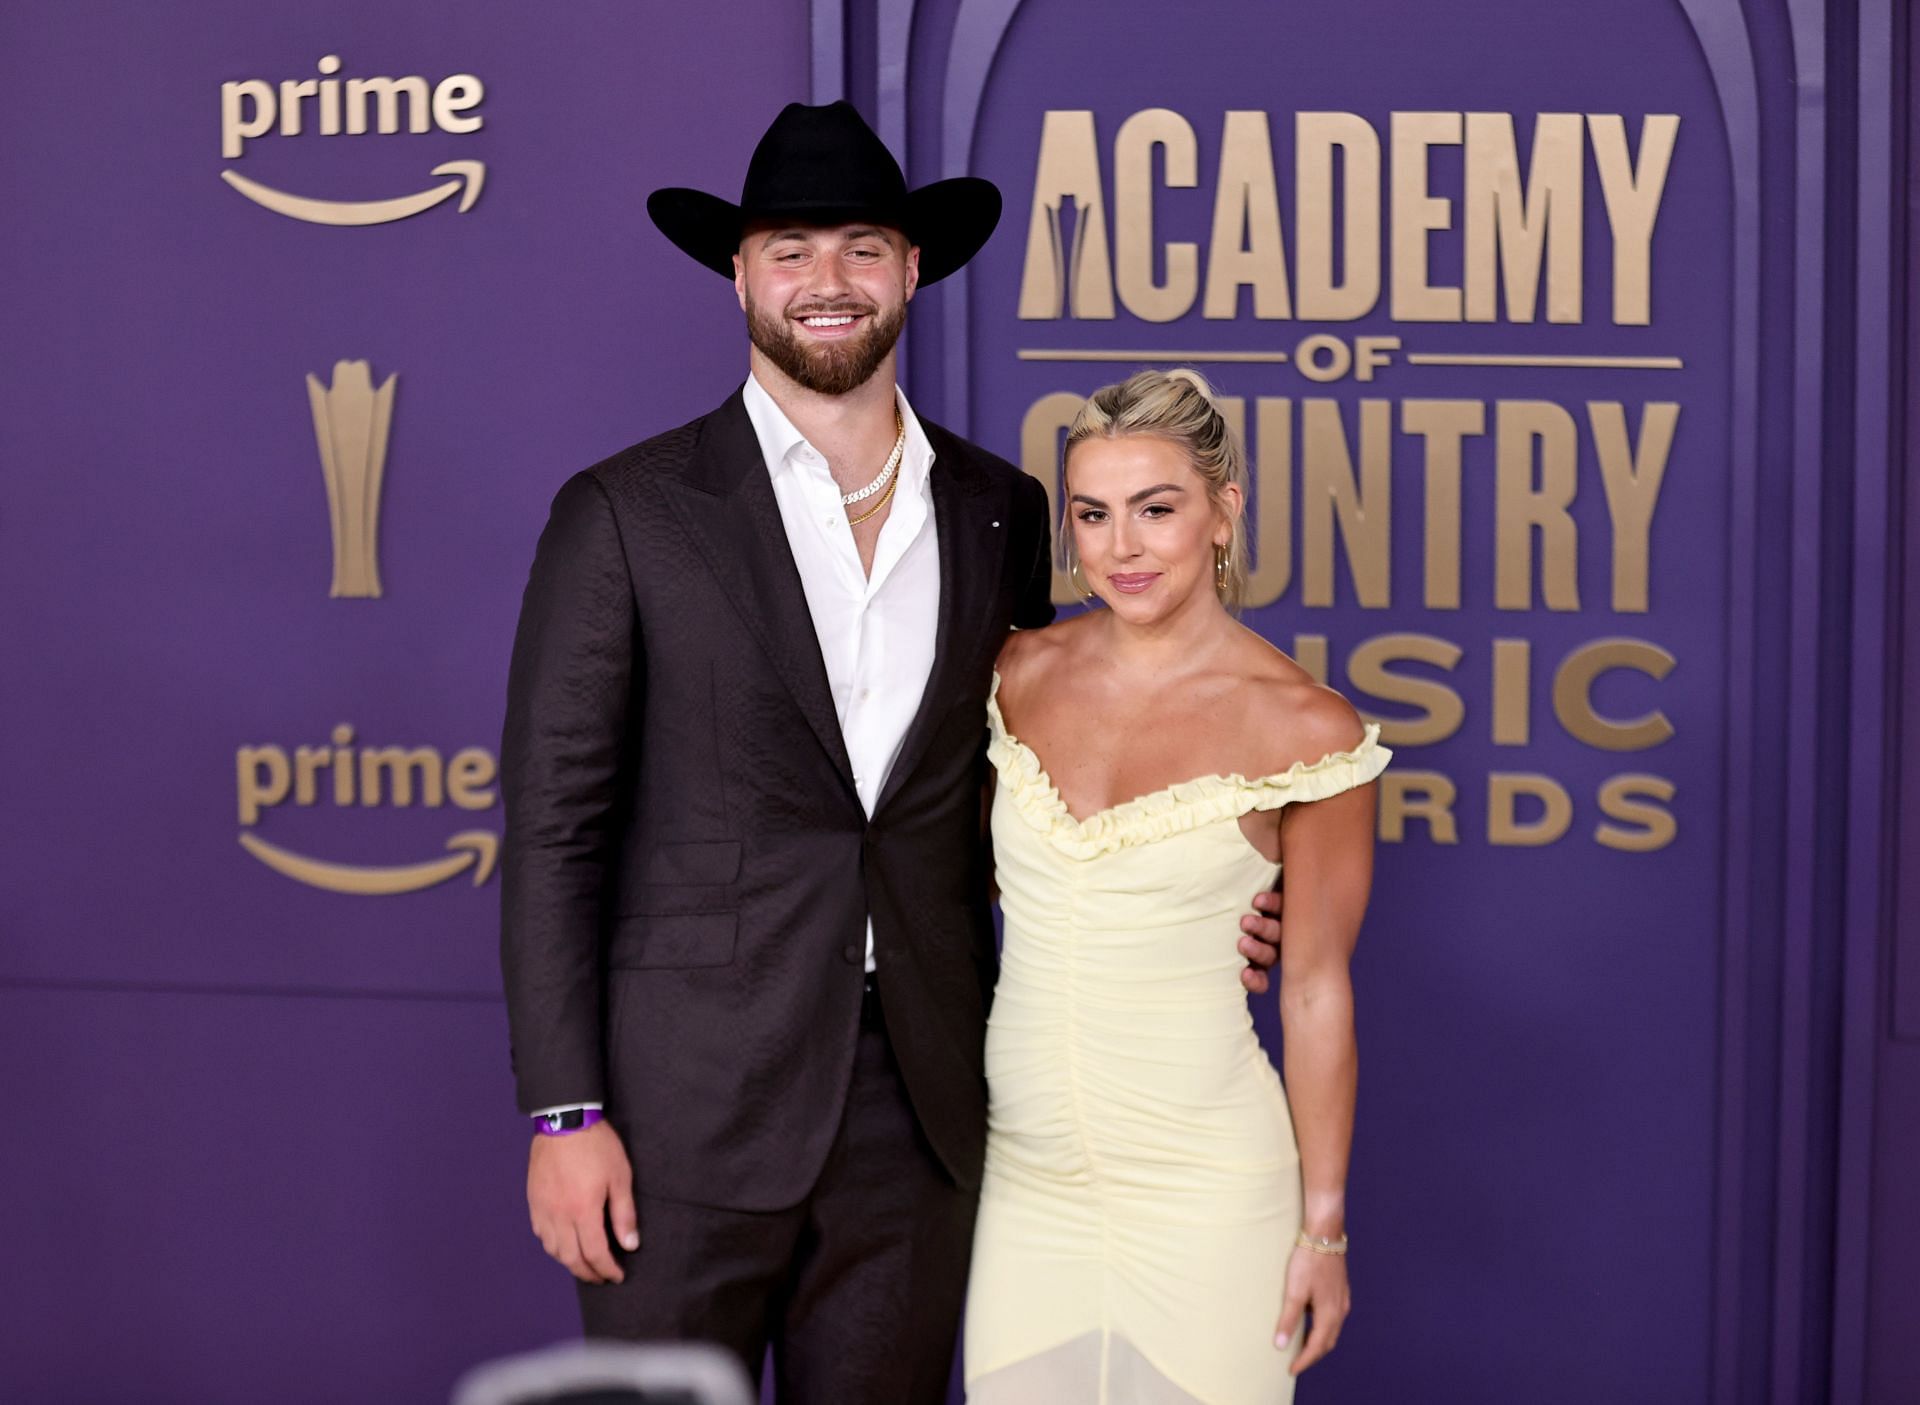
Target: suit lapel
734 520
972 544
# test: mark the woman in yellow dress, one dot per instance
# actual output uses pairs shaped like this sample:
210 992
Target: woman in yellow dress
1161 1223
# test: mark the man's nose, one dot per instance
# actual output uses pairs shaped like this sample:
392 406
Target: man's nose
829 280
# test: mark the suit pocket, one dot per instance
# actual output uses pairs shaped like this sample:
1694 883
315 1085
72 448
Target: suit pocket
695 865
673 940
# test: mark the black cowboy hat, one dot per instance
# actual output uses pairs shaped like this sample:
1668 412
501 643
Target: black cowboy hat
825 165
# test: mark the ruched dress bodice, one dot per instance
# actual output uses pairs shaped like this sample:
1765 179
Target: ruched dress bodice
1142 1186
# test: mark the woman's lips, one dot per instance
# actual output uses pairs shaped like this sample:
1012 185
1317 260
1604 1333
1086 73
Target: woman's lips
1133 582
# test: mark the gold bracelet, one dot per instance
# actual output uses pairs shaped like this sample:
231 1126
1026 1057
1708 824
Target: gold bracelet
1322 1246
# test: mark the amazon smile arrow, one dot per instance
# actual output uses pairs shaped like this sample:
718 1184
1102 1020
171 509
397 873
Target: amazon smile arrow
473 848
467 175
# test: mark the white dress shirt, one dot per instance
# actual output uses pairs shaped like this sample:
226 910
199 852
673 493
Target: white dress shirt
876 632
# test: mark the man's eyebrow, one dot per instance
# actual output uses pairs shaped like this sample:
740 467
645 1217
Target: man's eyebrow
801 233
1155 491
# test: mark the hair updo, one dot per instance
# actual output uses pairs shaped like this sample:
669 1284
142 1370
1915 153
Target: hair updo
1177 406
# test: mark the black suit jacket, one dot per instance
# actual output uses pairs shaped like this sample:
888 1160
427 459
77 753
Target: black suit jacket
688 871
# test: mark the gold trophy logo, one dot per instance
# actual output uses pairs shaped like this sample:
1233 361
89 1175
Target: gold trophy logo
350 421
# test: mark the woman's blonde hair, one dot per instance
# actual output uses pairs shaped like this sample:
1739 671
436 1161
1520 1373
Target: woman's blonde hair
1177 406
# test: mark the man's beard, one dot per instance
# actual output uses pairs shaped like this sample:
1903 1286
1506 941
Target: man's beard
826 368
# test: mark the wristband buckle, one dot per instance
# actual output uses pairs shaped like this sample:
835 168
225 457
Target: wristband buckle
562 1124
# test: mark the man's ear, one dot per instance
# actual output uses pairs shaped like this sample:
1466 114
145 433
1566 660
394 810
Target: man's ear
740 281
913 270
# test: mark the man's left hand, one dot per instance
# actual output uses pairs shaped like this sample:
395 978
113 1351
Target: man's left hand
1260 942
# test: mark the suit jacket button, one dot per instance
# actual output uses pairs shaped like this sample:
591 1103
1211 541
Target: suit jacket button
852 953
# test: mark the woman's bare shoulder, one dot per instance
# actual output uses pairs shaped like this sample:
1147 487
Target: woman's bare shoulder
1292 716
1029 654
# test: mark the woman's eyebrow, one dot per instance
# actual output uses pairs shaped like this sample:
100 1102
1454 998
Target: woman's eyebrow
1155 491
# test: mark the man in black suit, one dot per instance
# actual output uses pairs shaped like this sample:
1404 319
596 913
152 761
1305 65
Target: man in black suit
746 938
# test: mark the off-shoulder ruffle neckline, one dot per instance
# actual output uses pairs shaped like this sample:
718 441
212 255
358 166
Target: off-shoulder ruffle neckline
1182 806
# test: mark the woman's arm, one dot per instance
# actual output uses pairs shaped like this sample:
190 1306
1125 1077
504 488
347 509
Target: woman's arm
1326 851
1327 857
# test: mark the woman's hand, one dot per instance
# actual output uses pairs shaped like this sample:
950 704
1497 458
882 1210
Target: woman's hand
1316 1283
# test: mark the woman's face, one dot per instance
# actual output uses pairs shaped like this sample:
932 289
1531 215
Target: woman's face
1143 524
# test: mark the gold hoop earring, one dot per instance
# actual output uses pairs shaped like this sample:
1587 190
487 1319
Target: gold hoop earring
1079 581
1222 558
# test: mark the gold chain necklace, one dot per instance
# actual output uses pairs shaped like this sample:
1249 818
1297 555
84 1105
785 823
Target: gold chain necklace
885 498
885 480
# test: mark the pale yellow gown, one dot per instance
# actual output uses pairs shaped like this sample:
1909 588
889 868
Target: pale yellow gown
1142 1188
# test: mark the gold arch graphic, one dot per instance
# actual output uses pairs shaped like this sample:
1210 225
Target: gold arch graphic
467 175
474 848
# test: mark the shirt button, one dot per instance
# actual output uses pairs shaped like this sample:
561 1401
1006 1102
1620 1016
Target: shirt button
852 953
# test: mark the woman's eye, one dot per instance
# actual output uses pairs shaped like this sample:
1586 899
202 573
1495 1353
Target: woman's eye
1155 509
1091 514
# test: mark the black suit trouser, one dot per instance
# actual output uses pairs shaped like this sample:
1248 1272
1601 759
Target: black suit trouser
858 1288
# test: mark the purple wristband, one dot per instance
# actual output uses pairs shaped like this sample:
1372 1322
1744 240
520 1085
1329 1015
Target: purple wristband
565 1124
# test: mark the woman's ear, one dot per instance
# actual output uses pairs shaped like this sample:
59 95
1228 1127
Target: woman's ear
1231 504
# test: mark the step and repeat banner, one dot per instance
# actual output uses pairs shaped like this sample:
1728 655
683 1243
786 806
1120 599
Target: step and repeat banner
316 315
310 310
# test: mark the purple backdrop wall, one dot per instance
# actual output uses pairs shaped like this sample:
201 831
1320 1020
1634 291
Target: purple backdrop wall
272 1154
287 1165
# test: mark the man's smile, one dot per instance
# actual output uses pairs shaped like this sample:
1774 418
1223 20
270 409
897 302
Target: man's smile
830 325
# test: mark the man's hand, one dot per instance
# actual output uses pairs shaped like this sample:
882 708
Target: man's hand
1260 941
573 1183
